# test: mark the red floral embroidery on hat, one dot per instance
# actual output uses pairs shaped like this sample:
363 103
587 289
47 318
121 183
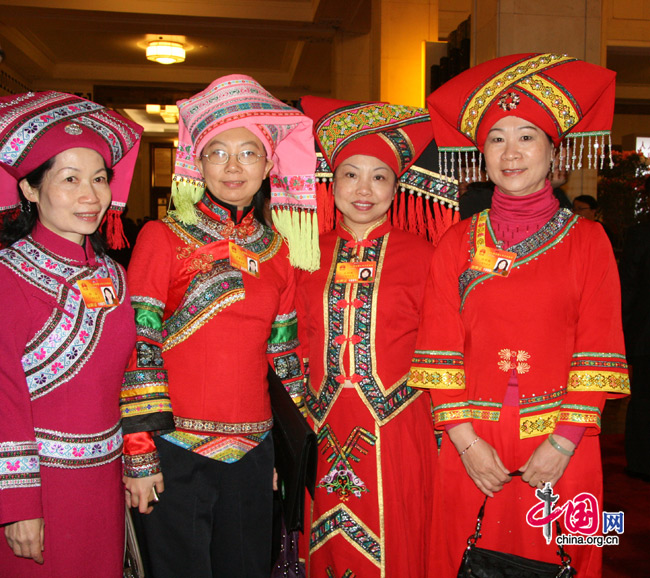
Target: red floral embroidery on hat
509 101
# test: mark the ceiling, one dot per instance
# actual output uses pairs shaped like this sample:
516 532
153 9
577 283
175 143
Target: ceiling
284 44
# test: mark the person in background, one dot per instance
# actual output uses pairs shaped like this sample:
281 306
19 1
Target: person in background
358 317
195 404
586 206
66 164
519 366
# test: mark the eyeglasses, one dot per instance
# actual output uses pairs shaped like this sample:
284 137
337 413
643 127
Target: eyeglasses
219 157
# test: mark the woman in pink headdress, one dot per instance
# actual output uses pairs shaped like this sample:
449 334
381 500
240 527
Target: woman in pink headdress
521 339
65 164
213 292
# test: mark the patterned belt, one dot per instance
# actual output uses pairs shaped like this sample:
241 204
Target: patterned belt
65 450
217 427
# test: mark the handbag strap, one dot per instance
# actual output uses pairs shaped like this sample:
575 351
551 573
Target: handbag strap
471 541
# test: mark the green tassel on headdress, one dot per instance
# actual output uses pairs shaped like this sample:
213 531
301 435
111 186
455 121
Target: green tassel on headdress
185 194
300 230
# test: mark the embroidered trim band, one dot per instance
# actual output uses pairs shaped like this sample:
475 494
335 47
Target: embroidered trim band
19 465
205 426
71 451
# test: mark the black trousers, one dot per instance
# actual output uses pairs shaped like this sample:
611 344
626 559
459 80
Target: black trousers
214 520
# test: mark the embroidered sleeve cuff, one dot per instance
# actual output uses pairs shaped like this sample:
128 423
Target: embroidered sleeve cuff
141 465
578 415
450 414
437 370
599 372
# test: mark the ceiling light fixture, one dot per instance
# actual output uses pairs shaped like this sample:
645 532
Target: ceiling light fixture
170 114
165 52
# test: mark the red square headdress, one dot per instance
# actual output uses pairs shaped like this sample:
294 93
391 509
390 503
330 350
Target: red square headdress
36 126
399 136
570 100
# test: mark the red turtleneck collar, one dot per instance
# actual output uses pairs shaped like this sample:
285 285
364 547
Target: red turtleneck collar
514 219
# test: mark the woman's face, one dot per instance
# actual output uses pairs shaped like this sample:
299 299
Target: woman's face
517 156
235 183
74 194
363 189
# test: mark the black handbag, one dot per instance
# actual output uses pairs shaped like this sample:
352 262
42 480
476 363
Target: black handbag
481 563
295 453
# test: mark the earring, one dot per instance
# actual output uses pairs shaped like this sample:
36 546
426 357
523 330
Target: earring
25 207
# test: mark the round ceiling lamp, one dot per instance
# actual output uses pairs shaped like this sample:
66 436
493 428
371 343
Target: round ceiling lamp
165 52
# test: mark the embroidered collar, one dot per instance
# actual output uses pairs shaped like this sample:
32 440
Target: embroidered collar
216 221
530 248
77 255
376 230
225 211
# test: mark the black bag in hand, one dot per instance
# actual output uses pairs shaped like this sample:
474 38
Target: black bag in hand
481 563
295 453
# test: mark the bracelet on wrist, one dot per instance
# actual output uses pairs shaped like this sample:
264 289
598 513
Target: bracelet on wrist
558 447
469 446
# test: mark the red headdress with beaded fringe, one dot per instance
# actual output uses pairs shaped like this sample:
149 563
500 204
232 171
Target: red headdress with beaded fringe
401 137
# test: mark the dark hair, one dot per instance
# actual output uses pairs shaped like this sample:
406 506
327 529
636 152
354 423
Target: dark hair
588 200
259 200
23 224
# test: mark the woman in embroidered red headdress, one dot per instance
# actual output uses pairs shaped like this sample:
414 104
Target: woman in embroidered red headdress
520 361
358 317
213 292
63 346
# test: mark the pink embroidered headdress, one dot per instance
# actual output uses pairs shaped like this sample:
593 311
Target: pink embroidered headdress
239 101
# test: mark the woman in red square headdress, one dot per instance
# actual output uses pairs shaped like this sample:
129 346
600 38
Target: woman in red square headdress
520 358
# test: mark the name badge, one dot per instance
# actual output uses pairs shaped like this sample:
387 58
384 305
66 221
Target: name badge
356 272
244 260
98 293
494 261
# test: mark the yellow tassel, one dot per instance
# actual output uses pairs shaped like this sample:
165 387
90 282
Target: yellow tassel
300 230
185 195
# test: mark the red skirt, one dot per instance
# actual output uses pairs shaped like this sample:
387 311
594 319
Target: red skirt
371 516
457 501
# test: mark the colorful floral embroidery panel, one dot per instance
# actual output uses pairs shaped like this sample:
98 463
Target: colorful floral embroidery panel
381 401
59 349
341 478
19 465
66 450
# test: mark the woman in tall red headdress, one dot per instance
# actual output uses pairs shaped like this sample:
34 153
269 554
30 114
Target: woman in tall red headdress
65 164
357 318
520 361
